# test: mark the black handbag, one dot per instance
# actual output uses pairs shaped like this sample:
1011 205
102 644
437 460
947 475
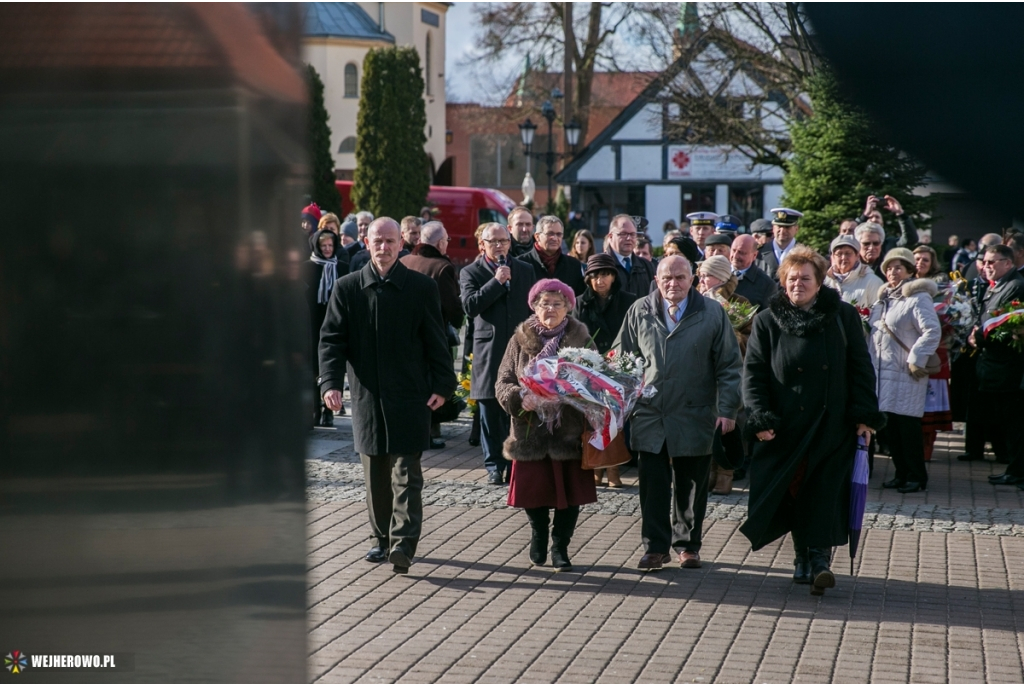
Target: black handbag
449 411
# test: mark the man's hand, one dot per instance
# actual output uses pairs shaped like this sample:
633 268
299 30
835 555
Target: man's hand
765 436
893 205
917 372
435 402
332 398
727 425
872 203
503 274
865 432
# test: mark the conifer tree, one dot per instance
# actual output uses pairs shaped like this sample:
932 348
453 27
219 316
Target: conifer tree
323 191
838 160
392 174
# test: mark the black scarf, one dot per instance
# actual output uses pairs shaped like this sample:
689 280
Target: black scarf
800 322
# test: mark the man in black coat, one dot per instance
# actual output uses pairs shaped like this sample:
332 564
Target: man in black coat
785 226
520 228
495 293
635 273
547 258
384 326
1000 368
754 284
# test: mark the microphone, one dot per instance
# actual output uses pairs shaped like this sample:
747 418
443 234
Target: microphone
501 262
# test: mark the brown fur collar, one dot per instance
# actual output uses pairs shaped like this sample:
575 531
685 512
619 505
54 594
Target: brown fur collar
576 335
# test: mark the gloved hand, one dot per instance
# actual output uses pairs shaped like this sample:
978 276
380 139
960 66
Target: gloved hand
917 372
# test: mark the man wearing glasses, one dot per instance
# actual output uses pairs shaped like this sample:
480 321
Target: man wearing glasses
635 273
1000 369
871 237
495 294
547 259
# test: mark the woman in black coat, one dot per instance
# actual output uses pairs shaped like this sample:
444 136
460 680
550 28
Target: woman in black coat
602 307
322 270
809 388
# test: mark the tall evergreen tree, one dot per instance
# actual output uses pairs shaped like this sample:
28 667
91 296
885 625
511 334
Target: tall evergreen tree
323 192
392 175
838 161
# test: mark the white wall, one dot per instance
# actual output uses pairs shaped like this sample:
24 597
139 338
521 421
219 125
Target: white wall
645 125
661 204
721 199
640 162
772 198
329 60
600 167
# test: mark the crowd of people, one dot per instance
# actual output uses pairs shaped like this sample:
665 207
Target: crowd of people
769 360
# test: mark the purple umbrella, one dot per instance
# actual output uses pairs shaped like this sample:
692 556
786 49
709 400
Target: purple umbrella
858 496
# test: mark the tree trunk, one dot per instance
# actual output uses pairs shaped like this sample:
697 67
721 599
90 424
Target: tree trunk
585 69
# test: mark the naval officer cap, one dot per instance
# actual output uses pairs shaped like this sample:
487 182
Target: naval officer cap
784 216
702 218
727 223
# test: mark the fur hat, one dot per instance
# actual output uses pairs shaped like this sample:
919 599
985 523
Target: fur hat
552 285
717 266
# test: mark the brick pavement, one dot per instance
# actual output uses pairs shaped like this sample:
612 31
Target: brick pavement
929 602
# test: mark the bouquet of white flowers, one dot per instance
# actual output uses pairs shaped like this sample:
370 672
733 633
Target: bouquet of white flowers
958 314
605 389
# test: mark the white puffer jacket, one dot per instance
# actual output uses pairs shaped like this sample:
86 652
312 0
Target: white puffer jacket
910 314
859 288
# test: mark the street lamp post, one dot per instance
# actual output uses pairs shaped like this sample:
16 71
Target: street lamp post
527 129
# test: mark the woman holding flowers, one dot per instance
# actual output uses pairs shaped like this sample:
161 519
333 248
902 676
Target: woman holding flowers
905 333
546 460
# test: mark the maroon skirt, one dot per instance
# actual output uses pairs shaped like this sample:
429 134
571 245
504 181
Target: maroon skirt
547 483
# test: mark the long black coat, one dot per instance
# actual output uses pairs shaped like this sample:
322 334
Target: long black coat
389 336
496 311
604 319
568 270
1000 367
808 377
640 277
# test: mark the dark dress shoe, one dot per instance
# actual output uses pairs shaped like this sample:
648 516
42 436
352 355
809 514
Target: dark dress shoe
475 442
1005 479
437 444
894 483
327 418
969 457
823 578
801 568
653 561
400 562
689 560
494 478
912 486
376 555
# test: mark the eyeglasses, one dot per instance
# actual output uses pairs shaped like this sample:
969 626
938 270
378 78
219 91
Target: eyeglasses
499 241
993 262
552 235
551 306
625 235
864 243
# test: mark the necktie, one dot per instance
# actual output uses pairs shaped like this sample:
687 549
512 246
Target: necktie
673 311
627 263
737 274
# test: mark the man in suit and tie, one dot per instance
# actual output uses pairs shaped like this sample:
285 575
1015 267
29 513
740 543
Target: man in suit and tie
785 226
754 284
495 295
634 272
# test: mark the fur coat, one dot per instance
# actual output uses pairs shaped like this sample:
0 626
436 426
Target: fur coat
530 439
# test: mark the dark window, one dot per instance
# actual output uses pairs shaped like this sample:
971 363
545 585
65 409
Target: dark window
348 145
430 18
351 81
746 203
486 216
697 199
601 203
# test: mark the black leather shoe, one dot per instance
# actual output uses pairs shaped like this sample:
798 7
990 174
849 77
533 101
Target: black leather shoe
912 486
436 444
894 483
820 559
475 442
376 555
1005 479
969 457
327 418
538 548
400 561
494 478
739 474
802 568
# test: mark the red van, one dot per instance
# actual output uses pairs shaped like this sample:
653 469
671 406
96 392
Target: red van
461 210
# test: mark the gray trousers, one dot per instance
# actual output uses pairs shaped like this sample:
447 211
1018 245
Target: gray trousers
394 499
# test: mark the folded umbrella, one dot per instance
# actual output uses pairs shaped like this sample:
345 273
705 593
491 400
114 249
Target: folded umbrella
858 496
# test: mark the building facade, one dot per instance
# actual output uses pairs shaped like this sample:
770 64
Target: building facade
337 37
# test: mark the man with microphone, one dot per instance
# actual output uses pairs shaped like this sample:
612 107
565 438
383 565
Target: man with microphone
495 293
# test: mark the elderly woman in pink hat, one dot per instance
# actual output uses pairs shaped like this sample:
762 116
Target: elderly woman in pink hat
547 468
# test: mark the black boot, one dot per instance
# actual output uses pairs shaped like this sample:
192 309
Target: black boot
326 417
561 533
801 567
474 430
539 539
820 558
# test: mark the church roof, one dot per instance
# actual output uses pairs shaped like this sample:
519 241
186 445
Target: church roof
342 20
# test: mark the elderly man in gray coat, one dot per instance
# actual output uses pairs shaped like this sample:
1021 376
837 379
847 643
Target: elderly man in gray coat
693 361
